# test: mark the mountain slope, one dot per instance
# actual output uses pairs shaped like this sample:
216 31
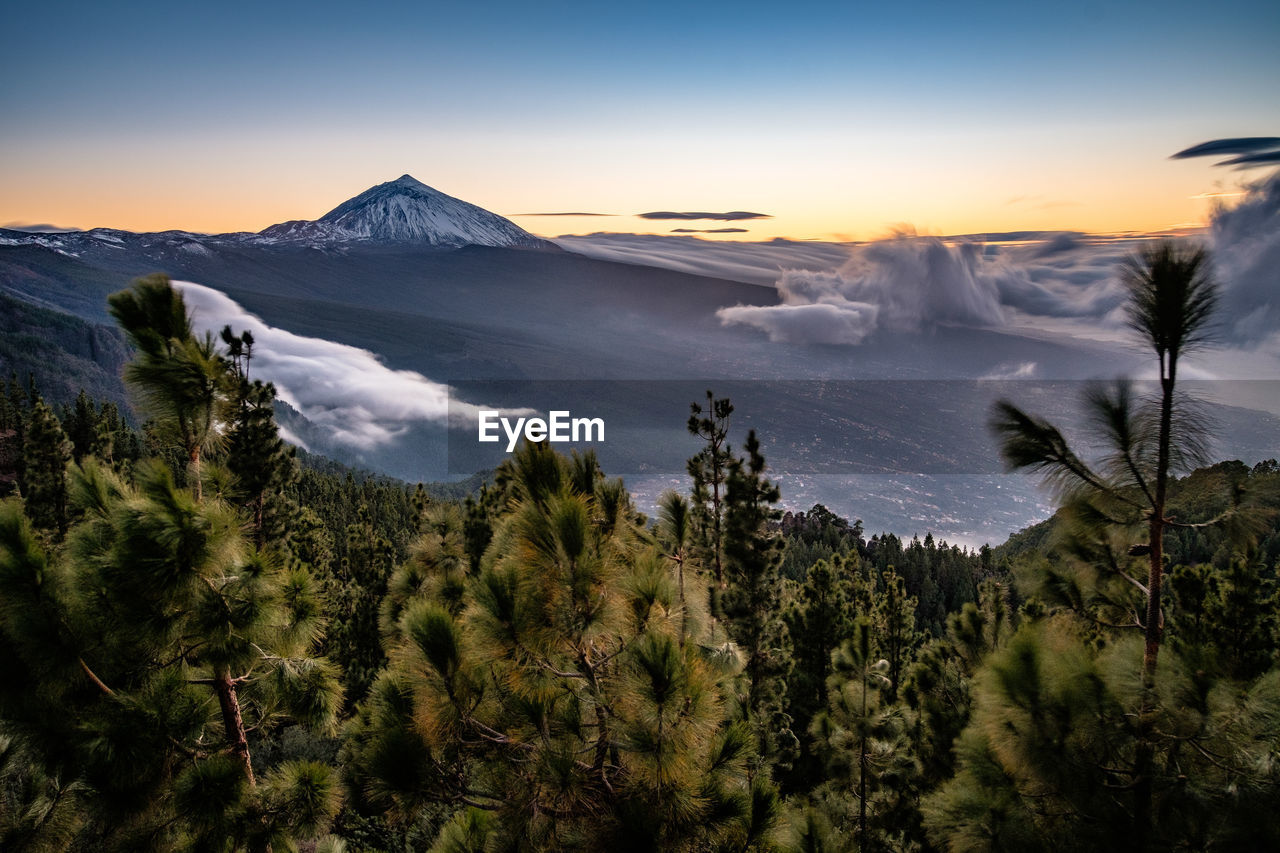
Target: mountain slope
63 352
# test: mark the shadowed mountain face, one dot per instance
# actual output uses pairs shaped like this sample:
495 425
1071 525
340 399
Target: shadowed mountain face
506 327
477 312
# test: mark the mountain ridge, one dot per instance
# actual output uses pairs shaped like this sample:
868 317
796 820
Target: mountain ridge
400 212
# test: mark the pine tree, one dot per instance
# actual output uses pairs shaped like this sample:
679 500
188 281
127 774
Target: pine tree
178 378
263 465
140 659
80 422
709 469
894 617
820 618
1171 301
355 596
1077 739
545 695
478 526
938 685
675 533
46 454
115 650
862 737
11 413
752 602
1055 743
13 428
1225 618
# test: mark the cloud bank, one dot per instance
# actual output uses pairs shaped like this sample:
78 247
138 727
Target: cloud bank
845 322
1246 241
1064 282
346 392
1054 282
906 284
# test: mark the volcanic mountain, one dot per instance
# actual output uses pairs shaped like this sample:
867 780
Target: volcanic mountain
404 212
407 211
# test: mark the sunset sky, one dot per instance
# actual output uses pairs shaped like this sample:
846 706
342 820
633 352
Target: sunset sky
838 121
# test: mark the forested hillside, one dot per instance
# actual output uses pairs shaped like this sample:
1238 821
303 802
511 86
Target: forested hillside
67 354
207 645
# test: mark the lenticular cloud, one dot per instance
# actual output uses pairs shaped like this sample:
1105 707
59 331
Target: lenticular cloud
347 392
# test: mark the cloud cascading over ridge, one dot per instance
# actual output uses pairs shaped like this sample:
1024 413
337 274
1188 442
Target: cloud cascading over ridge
1065 281
1055 282
346 392
906 283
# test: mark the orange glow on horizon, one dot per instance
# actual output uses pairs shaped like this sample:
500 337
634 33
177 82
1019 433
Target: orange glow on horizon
804 203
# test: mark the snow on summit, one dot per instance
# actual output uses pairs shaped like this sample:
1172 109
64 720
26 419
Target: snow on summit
408 211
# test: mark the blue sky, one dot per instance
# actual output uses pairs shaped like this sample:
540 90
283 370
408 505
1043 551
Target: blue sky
839 118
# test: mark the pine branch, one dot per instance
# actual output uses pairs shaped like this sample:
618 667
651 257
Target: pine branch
94 678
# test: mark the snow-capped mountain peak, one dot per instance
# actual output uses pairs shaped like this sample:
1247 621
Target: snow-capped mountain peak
400 212
408 211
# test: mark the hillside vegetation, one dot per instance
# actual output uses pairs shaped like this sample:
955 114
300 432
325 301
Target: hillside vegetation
207 645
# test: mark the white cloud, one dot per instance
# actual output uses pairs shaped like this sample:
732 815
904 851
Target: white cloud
1246 248
346 392
906 284
1062 283
821 323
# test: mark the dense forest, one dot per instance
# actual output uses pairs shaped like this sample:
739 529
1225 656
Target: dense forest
212 642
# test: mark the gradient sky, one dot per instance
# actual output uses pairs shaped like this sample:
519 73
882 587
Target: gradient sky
841 121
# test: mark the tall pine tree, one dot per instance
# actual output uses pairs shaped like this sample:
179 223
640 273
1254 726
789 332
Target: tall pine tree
752 601
140 659
46 454
544 696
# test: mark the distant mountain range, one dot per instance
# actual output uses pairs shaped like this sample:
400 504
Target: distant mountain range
404 211
446 293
